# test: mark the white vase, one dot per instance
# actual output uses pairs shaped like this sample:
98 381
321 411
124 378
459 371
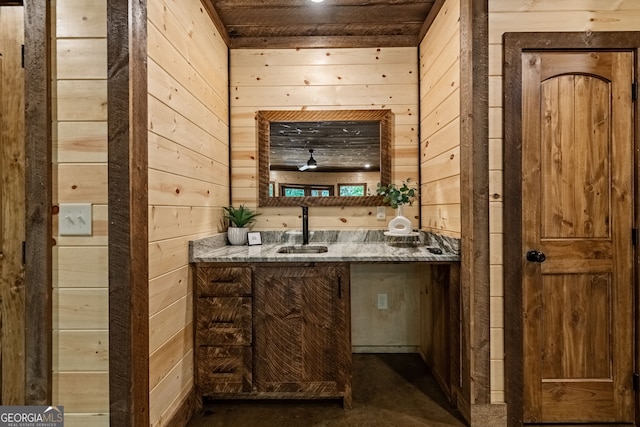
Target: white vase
400 224
237 235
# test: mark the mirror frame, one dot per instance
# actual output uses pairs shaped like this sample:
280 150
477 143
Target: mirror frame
265 117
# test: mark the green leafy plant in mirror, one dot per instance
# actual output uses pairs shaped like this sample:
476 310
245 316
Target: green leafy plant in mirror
240 217
395 195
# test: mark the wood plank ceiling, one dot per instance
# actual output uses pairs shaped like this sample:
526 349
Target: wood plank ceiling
331 23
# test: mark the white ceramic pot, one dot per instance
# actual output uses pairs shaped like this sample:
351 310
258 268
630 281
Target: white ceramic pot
237 236
400 224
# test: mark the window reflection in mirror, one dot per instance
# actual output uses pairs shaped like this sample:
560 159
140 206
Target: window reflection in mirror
326 158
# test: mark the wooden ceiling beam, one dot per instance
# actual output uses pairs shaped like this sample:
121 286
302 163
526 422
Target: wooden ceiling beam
259 4
323 42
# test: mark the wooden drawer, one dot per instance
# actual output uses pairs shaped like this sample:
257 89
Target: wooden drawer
223 321
223 281
223 369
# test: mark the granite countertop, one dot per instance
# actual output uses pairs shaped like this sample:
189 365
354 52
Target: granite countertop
343 246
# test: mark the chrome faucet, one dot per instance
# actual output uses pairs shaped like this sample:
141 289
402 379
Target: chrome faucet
305 225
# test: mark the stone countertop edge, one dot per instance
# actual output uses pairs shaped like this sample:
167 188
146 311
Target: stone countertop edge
343 246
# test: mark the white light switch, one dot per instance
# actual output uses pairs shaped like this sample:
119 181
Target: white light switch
74 219
381 212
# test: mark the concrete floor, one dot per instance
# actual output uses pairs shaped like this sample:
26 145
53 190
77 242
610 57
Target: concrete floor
388 390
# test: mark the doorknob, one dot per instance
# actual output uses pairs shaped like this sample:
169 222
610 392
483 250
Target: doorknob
535 256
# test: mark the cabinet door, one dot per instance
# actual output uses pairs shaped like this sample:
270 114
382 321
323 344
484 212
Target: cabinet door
302 330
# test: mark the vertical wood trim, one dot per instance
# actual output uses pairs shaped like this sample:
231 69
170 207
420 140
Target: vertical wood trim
38 184
514 44
128 207
474 184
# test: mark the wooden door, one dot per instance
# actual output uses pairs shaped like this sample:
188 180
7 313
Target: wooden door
302 341
577 214
12 207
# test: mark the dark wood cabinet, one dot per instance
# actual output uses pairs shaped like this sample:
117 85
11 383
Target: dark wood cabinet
273 331
223 330
302 329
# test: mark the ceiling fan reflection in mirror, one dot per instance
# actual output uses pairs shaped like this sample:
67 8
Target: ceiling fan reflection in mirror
311 163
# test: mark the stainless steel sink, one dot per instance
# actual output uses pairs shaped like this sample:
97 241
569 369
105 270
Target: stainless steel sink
302 249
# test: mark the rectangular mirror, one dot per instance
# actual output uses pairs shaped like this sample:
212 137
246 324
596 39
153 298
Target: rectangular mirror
323 158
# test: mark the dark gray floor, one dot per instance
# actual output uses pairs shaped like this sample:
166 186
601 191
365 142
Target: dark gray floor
388 390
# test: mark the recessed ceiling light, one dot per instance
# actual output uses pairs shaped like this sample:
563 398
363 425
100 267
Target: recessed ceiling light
317 1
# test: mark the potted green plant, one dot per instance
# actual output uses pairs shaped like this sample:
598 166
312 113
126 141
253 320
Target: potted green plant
396 196
239 220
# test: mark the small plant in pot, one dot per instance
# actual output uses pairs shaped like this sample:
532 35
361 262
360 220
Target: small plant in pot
239 221
397 196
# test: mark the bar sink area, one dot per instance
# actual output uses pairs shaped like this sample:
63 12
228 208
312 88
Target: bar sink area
302 249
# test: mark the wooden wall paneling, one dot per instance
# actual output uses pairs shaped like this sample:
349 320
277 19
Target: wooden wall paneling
188 29
441 116
169 321
259 58
434 67
89 20
38 186
81 266
175 390
325 97
81 58
84 142
81 350
445 138
328 75
81 183
442 28
178 68
173 94
83 391
172 190
169 254
166 156
321 79
444 165
168 288
526 6
12 172
172 125
167 357
128 202
79 308
188 172
80 100
444 219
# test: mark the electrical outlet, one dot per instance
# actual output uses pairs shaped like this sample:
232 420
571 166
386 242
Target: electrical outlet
381 212
383 302
74 219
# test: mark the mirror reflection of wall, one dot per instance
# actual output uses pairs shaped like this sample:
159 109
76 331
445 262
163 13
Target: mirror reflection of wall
346 184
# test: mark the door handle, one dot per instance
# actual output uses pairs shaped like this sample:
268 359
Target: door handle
535 256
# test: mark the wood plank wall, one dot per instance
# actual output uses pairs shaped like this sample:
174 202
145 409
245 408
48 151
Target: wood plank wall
188 182
322 79
518 16
12 207
440 122
80 281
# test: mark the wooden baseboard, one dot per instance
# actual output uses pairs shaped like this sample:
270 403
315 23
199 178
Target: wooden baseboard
494 415
185 411
385 349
